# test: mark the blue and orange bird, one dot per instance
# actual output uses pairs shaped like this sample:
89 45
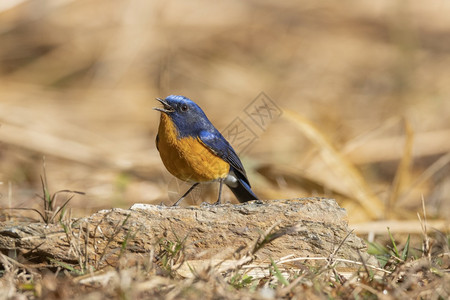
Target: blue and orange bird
193 150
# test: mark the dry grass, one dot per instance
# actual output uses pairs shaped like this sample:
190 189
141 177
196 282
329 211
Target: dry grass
364 92
119 273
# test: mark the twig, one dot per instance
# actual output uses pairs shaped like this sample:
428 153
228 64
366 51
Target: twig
331 257
336 259
423 224
363 262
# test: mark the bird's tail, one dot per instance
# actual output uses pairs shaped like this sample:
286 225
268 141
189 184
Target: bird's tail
242 191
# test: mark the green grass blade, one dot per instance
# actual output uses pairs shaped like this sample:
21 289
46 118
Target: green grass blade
278 274
393 244
66 266
405 251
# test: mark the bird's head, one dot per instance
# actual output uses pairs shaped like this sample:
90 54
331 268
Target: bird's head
187 116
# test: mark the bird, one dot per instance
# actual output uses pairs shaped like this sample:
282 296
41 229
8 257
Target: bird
193 150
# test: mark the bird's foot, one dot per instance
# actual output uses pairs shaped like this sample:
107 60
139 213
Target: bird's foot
178 202
206 204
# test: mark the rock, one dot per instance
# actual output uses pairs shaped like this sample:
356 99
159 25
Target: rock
307 227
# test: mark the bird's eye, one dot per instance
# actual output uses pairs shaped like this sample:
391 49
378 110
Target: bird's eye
184 107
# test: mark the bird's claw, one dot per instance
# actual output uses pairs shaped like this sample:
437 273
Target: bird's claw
205 204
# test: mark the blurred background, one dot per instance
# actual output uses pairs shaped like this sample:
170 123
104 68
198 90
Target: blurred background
363 88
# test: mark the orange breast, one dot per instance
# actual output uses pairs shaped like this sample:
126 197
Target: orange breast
187 158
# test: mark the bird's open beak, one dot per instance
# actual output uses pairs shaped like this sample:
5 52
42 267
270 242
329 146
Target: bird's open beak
166 106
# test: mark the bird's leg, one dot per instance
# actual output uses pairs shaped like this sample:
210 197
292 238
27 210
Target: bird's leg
185 194
220 192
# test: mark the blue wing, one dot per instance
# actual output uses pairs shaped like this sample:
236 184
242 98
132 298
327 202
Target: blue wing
219 146
216 143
